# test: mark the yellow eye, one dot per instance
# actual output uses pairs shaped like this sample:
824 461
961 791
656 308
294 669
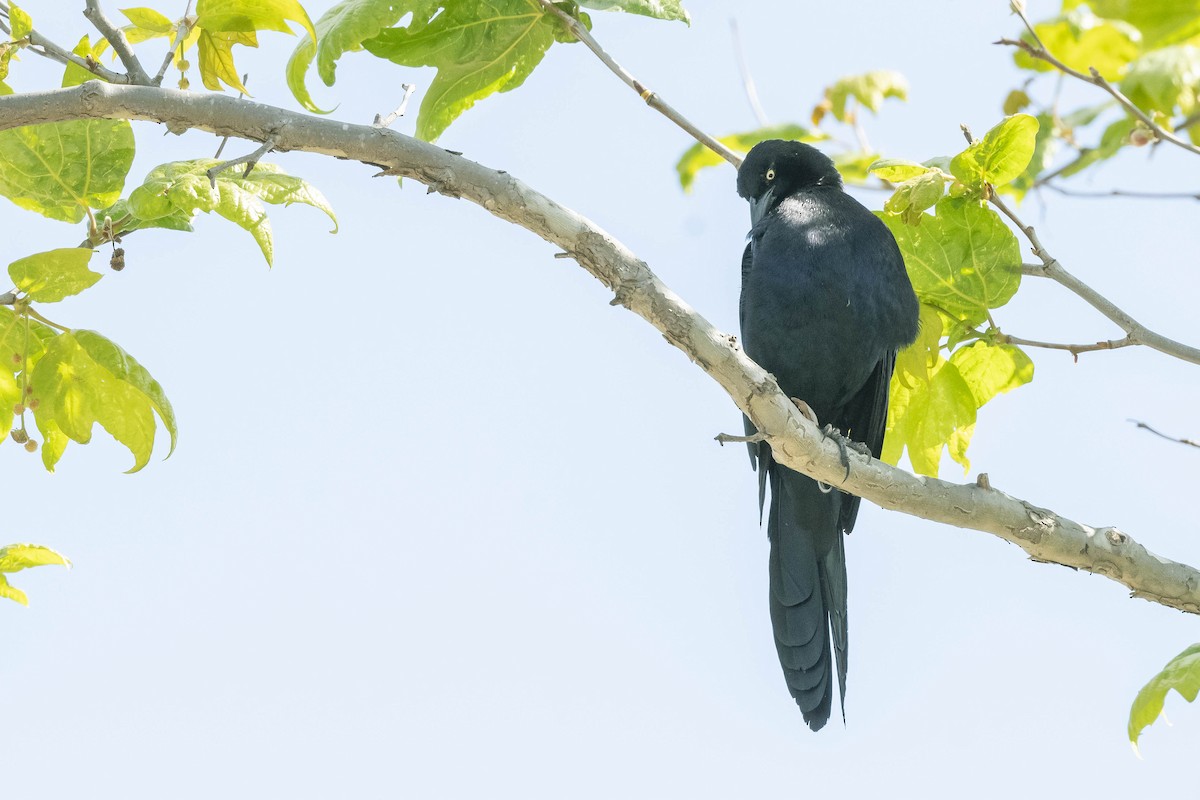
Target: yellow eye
770 174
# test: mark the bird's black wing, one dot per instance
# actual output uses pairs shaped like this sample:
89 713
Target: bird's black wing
864 419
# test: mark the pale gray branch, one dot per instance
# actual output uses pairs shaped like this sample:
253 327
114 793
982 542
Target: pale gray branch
120 45
796 442
1136 332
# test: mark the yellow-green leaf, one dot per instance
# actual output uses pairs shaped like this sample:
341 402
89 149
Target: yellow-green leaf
1081 40
926 416
1182 673
963 260
659 9
10 395
1164 80
50 276
16 557
58 169
216 58
915 195
896 170
870 89
479 49
19 22
1000 156
183 186
83 379
149 19
247 16
992 369
698 157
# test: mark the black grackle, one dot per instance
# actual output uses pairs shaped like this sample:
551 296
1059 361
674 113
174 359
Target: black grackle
826 303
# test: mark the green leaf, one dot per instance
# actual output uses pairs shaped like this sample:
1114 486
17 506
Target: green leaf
149 19
11 592
176 219
50 276
17 557
22 340
895 170
83 379
1182 673
992 369
1164 80
247 16
19 22
698 157
478 49
183 186
870 89
1161 22
342 29
659 9
1081 40
915 363
963 259
915 195
1045 145
10 395
855 166
60 168
216 58
927 416
75 74
1000 156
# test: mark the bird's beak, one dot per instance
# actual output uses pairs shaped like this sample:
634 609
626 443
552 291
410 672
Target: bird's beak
759 206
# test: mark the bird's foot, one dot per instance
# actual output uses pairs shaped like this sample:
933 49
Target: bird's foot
845 444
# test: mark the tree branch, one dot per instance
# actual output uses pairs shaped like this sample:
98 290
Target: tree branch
653 100
40 45
1145 427
120 45
1136 332
796 442
1037 49
1073 349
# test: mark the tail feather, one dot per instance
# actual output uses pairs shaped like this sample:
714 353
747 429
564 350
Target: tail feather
808 590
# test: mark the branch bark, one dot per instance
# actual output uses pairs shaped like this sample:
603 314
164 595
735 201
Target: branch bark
1044 535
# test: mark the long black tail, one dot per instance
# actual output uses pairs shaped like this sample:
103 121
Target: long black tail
808 590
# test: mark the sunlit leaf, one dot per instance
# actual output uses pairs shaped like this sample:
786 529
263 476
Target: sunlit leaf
83 379
992 369
659 9
1164 80
50 276
183 187
963 259
925 416
16 557
1082 40
854 166
915 195
19 22
1161 22
58 169
896 170
1182 673
149 19
1000 155
1045 145
22 340
698 157
478 49
870 89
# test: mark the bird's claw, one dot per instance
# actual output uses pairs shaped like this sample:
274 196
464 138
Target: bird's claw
845 444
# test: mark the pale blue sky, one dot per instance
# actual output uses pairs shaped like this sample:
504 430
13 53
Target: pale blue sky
442 523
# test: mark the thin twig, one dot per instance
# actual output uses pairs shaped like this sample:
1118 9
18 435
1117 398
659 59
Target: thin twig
1144 426
1073 349
1054 187
1136 332
653 100
729 438
181 33
120 45
40 45
386 122
747 78
249 160
1037 49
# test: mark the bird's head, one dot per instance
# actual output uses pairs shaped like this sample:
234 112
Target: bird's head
776 169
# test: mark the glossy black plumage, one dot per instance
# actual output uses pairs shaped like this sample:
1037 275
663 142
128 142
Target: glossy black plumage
826 304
